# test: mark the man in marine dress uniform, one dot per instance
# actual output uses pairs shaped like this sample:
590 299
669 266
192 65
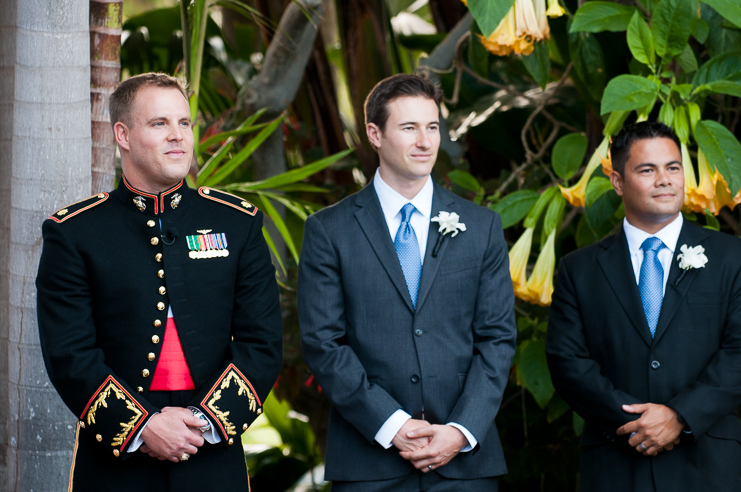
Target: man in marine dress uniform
158 312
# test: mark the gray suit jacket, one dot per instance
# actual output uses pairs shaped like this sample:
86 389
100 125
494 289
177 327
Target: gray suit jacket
373 353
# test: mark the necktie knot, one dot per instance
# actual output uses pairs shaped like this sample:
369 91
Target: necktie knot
652 244
406 212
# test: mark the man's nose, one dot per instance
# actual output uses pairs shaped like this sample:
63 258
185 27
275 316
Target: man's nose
423 140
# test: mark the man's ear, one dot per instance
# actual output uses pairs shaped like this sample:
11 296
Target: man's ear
121 134
374 134
617 182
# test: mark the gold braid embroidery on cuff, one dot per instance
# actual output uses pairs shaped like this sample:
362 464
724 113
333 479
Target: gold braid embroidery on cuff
243 390
104 394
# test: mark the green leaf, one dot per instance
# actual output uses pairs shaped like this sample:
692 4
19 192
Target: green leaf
729 9
538 64
722 67
589 62
489 13
666 114
683 90
584 234
556 408
578 423
532 217
602 211
720 38
553 216
515 206
641 41
290 177
721 87
722 150
597 187
670 25
710 221
626 92
274 249
568 154
478 56
242 129
699 29
464 180
687 60
615 122
533 372
421 42
270 211
602 16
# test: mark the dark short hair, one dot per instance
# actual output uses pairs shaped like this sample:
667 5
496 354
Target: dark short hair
122 99
390 88
624 140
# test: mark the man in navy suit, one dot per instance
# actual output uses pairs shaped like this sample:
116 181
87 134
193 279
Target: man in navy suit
406 314
644 339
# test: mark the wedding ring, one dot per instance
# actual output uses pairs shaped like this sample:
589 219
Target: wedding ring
643 448
184 457
429 467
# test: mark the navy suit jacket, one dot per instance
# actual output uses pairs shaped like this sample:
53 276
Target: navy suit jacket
601 356
373 353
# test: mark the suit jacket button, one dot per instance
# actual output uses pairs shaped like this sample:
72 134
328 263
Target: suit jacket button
98 438
158 257
155 339
655 364
151 356
162 290
231 441
161 306
150 223
116 453
157 323
145 373
415 378
161 273
418 333
154 241
139 389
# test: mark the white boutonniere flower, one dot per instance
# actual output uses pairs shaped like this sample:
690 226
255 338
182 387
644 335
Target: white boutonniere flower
692 257
449 223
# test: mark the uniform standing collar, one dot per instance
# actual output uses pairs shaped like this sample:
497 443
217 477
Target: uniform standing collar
148 203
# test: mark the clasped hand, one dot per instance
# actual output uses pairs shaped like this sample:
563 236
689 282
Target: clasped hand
426 445
171 433
658 428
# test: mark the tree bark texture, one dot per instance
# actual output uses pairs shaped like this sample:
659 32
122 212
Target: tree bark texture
365 40
46 147
105 73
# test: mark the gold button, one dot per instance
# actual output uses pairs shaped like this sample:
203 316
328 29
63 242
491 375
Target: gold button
101 195
244 427
231 441
82 424
150 356
206 191
99 438
139 389
161 306
145 373
157 323
162 290
115 453
154 241
150 223
259 411
161 273
155 339
158 257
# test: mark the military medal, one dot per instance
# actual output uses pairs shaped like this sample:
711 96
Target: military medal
207 245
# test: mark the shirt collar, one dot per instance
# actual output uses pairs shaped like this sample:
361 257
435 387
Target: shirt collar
669 235
148 203
392 201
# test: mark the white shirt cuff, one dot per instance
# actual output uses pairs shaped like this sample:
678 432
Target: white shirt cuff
391 427
211 436
138 439
472 442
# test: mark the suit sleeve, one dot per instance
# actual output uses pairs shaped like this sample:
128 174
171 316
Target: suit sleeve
494 334
234 396
323 324
108 409
717 392
576 375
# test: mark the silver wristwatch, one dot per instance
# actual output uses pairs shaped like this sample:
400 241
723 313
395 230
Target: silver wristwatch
200 415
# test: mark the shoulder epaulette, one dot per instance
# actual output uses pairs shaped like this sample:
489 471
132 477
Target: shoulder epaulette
78 207
228 199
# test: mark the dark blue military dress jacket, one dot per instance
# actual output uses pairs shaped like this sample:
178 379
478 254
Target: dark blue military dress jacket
111 267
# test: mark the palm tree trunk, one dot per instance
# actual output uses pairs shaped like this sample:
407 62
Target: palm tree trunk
105 73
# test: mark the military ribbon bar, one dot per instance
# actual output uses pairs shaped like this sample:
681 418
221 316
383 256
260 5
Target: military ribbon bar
207 246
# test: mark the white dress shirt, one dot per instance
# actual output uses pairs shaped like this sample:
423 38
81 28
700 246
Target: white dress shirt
669 235
391 204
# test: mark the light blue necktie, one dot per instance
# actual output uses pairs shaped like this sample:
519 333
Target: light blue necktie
407 249
651 282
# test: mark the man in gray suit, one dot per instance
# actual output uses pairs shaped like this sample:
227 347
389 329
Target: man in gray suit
406 314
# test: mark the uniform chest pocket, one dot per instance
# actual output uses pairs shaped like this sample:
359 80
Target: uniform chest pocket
706 298
455 265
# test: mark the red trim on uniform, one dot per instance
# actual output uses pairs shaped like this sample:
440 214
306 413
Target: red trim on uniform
67 216
134 190
241 209
94 395
218 382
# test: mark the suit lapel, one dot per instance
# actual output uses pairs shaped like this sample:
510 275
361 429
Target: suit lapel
615 263
371 220
675 292
431 264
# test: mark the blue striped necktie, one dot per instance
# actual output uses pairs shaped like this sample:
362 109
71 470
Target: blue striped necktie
651 282
407 249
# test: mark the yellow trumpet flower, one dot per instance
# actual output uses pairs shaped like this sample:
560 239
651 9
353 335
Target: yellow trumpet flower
701 196
690 181
576 195
554 9
518 257
540 283
503 40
